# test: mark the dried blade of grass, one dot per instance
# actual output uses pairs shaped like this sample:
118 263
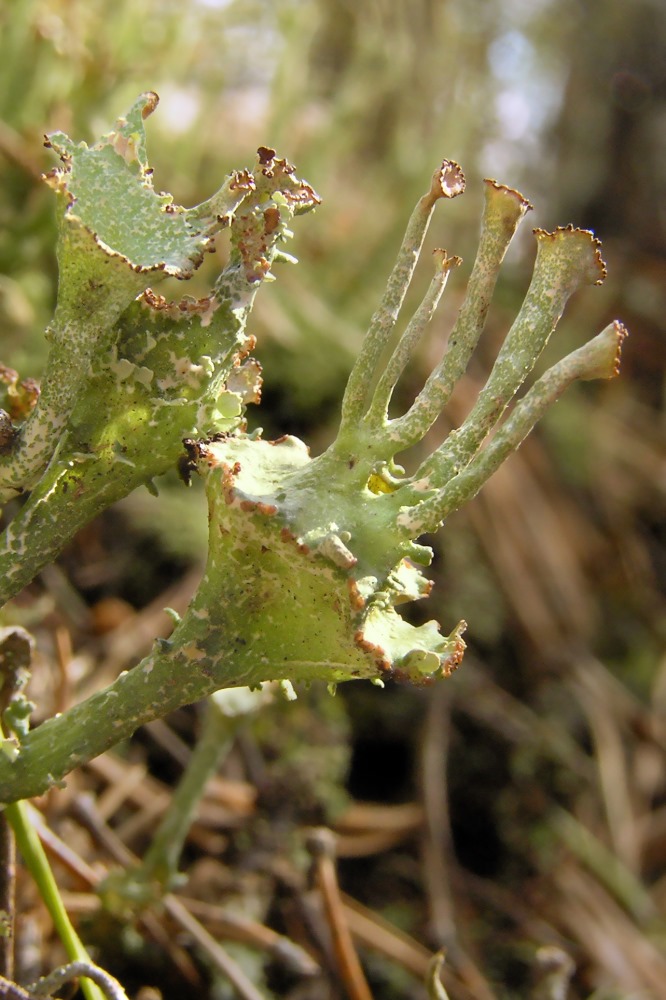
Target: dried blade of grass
617 880
213 950
625 958
373 931
321 845
246 931
617 789
372 816
367 828
437 840
463 977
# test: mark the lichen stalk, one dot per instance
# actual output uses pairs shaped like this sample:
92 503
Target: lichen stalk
174 370
599 358
447 182
378 410
308 559
503 212
566 260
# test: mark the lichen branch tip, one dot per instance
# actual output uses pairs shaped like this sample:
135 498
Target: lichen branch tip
152 99
604 352
510 192
444 263
448 181
595 266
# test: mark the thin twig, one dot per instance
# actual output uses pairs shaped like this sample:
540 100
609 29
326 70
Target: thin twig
321 845
7 901
214 951
437 839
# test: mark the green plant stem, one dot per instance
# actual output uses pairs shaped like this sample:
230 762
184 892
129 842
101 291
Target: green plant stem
37 863
160 862
226 712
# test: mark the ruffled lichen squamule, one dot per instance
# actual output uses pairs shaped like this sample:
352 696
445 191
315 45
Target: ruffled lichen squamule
309 558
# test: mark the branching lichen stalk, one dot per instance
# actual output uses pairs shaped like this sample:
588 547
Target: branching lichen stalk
447 182
566 260
309 559
503 212
599 358
377 413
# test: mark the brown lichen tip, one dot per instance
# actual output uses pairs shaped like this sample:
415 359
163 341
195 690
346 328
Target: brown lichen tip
300 195
621 333
152 100
603 353
595 266
504 189
444 263
451 662
242 180
266 155
448 181
20 397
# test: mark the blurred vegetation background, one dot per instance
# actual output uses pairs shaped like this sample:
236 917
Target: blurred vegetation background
539 768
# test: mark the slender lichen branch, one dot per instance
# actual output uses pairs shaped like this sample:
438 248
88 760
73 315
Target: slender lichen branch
566 260
447 182
308 559
376 417
599 358
503 212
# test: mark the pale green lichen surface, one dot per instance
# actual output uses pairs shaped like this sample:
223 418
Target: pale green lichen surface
309 558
